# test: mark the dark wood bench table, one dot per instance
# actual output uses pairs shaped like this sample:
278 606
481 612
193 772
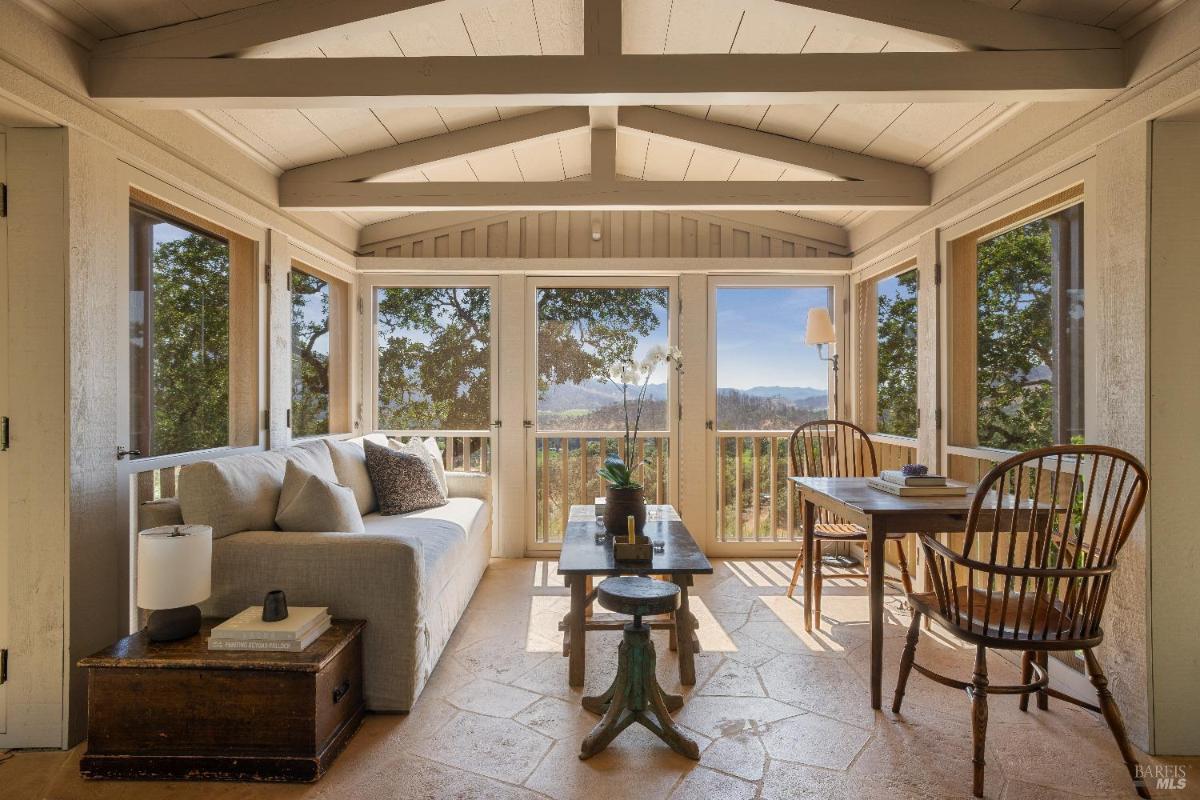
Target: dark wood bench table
583 557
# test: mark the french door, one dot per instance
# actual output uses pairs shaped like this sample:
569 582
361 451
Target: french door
578 330
763 382
4 340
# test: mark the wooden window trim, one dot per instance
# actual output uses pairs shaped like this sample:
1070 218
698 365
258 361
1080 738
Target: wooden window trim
867 350
243 315
961 288
340 319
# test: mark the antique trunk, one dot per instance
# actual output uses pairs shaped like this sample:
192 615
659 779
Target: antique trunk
176 711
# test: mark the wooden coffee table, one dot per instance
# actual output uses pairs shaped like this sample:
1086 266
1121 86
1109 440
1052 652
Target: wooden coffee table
584 557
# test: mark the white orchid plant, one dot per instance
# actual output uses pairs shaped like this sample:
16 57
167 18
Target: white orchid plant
633 378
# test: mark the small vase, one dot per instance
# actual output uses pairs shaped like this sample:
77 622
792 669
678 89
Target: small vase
620 504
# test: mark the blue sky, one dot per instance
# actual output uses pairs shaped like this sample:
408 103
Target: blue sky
760 337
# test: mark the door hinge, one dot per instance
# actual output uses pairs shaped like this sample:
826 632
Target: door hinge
3 199
3 667
267 419
268 270
708 424
3 433
528 423
360 305
496 423
937 419
288 419
937 274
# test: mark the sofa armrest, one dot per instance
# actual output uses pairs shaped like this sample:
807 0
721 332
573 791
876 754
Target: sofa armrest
154 513
469 484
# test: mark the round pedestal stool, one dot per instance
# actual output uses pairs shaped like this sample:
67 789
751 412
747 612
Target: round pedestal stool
635 695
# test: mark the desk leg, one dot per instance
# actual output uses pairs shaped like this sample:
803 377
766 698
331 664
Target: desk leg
685 632
809 515
575 630
877 536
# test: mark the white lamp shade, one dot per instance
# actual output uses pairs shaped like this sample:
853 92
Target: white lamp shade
174 566
820 327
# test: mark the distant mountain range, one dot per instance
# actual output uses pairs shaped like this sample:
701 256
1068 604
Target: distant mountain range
591 395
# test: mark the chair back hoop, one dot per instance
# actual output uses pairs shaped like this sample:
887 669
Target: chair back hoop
1042 536
832 448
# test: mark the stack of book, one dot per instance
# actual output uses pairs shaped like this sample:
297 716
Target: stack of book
247 631
894 481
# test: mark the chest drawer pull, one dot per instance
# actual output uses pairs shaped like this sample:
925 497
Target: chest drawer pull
341 691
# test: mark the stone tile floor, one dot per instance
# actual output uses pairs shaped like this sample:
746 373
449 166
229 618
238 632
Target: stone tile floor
778 714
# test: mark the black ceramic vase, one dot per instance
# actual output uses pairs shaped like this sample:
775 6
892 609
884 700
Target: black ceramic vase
275 606
620 504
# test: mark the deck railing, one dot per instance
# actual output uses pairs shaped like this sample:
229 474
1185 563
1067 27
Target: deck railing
565 465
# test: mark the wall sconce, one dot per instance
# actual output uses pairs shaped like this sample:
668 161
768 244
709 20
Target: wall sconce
820 332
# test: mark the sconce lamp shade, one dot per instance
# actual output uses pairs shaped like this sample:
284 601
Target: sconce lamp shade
174 566
820 327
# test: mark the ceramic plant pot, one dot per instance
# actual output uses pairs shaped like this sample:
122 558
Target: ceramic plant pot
620 504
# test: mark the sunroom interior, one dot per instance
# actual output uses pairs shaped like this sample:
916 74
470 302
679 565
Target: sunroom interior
233 227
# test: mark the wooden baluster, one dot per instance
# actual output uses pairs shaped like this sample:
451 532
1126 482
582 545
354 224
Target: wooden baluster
545 526
755 492
564 468
737 486
771 535
721 533
659 463
145 486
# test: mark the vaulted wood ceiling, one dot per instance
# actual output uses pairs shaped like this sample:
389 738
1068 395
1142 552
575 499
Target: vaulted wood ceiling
411 106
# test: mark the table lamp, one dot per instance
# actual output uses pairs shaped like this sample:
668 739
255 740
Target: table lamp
174 572
820 332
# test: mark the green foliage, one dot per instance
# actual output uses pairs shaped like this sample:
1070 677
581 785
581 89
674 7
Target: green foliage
896 396
310 355
434 358
1015 394
190 348
618 475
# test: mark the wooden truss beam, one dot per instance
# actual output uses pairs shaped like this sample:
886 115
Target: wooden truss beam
973 23
246 30
443 147
780 150
600 195
744 79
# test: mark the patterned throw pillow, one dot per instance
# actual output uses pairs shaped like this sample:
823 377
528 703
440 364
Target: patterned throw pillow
403 482
428 451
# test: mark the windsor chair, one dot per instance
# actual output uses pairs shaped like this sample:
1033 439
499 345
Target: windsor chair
835 449
1033 576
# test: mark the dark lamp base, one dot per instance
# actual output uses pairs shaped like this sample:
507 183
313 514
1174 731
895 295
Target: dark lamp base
170 624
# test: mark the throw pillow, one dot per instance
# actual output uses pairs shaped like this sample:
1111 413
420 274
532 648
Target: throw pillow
308 502
429 452
350 464
403 482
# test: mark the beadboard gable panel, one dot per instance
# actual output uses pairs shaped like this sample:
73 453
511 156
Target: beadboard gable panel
623 234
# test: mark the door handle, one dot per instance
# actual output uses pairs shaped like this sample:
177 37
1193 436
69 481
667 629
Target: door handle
123 453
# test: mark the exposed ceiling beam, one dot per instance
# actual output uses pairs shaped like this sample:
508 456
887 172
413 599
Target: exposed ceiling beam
593 195
739 79
443 147
247 30
601 27
974 23
780 150
604 155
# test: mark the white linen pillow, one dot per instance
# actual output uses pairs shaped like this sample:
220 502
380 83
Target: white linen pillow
350 464
308 502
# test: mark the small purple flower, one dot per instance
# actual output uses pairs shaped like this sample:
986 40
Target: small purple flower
914 470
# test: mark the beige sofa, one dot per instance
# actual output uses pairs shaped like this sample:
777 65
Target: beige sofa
410 576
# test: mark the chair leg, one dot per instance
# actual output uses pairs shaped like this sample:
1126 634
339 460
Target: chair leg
796 573
1112 715
1026 676
818 581
903 561
1043 660
979 717
906 660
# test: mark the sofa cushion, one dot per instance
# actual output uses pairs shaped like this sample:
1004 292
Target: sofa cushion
428 451
403 482
308 502
441 532
241 493
350 464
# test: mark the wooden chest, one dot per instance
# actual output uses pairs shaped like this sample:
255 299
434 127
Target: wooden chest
176 711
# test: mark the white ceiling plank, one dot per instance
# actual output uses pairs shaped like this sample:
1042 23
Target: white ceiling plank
431 31
745 116
457 118
540 160
81 17
772 28
797 122
667 160
832 39
573 148
503 28
711 165
973 23
296 139
353 130
803 174
854 126
1089 12
702 26
631 153
407 124
495 165
246 29
920 128
587 195
781 151
1043 75
644 26
130 16
450 171
754 169
446 147
559 27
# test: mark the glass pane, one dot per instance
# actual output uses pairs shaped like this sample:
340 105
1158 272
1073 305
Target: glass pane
767 377
896 332
1030 334
434 358
310 355
582 333
179 336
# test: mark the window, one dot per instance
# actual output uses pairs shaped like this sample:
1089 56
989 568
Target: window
191 295
314 306
888 345
1022 285
434 358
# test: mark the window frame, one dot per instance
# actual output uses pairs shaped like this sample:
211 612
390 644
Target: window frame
866 350
341 310
958 244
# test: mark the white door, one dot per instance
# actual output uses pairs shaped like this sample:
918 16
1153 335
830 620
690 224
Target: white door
574 416
4 443
763 382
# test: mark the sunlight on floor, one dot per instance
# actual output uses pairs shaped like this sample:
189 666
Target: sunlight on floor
545 575
713 638
545 612
791 614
